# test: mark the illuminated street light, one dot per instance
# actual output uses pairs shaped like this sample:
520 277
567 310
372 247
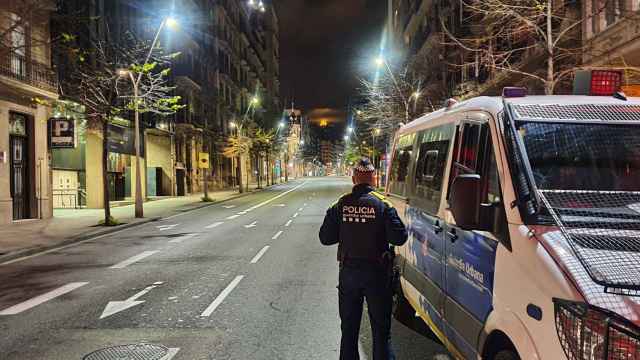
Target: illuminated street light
350 129
301 142
281 124
123 72
171 22
232 124
416 94
379 61
359 112
346 137
255 100
377 131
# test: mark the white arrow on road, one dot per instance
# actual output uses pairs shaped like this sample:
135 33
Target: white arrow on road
253 224
114 307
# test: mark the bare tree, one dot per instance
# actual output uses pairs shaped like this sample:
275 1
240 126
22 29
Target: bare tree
19 19
238 145
514 37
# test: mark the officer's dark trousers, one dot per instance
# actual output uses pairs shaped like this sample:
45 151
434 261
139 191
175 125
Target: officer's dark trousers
356 284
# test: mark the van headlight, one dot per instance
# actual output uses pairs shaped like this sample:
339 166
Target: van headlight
590 333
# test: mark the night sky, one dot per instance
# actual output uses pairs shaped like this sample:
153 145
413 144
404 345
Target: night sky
325 46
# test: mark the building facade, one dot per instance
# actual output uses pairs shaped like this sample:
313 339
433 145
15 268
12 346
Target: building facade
27 85
611 34
228 54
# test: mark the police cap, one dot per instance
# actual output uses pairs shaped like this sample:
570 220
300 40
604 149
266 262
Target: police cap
364 166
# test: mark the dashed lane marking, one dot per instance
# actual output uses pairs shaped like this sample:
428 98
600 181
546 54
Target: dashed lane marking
300 209
233 217
214 225
228 206
277 235
259 254
167 227
31 303
133 259
288 223
274 198
223 295
295 215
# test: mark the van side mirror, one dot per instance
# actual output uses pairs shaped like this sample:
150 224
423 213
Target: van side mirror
464 201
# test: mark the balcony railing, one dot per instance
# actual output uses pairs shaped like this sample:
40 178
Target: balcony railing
18 67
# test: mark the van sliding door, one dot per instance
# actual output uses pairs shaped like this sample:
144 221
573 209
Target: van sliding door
426 249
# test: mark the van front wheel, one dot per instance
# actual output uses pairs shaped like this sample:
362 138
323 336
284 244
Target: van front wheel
506 355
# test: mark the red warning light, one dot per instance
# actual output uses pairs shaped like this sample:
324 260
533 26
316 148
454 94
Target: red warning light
605 82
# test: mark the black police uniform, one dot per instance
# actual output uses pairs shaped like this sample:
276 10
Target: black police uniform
364 223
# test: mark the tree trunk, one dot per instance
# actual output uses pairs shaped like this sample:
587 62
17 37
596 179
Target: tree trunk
239 174
105 172
139 207
549 83
268 170
259 170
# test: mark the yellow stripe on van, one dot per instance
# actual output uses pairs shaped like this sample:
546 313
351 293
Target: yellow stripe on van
382 198
426 318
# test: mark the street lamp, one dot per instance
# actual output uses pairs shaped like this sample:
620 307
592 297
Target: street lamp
346 138
350 129
135 82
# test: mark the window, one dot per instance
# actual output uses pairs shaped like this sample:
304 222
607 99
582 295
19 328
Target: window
613 11
473 146
400 166
432 159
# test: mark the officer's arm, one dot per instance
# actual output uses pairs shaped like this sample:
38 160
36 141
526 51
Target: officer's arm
330 229
394 228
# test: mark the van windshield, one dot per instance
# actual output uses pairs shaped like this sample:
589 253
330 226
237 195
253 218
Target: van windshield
591 157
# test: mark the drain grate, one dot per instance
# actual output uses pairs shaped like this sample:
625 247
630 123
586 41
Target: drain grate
129 352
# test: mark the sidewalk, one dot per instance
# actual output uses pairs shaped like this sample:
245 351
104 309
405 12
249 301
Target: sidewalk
72 225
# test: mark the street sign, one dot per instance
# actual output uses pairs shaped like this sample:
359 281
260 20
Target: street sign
204 160
62 133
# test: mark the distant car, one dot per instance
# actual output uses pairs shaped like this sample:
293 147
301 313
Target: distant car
523 215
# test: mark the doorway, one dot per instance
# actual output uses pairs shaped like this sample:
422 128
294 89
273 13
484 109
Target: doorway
20 185
180 185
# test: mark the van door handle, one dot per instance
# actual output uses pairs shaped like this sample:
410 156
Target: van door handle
437 228
453 236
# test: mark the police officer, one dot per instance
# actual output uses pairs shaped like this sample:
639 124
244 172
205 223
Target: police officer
363 224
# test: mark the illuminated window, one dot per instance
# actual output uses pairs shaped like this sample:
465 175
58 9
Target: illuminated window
323 123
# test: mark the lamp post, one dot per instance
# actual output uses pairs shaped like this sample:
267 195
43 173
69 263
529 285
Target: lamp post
135 82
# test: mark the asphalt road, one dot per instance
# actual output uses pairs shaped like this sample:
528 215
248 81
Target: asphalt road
243 279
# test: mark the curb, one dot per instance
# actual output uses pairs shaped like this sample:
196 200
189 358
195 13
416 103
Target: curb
86 237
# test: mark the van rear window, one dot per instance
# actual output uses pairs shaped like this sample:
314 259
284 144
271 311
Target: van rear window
400 165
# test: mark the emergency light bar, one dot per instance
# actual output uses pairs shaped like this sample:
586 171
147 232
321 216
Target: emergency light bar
514 92
597 82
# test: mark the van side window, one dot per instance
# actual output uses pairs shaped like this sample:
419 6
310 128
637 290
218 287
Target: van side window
432 158
400 165
471 143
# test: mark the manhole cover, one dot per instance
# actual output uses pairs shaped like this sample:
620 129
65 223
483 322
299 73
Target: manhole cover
130 352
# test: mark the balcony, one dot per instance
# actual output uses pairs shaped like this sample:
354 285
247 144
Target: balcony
19 68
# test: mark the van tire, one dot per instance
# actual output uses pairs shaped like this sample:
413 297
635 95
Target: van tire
404 313
506 355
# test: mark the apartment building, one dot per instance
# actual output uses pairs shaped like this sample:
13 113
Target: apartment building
611 32
27 84
228 54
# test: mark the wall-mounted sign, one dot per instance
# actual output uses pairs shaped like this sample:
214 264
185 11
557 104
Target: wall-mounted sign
122 141
62 133
203 163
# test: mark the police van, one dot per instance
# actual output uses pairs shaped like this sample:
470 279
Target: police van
523 214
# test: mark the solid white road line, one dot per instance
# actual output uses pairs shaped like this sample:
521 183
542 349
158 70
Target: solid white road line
133 259
288 223
17 309
171 354
223 295
215 224
277 235
274 198
295 215
233 217
259 254
182 238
